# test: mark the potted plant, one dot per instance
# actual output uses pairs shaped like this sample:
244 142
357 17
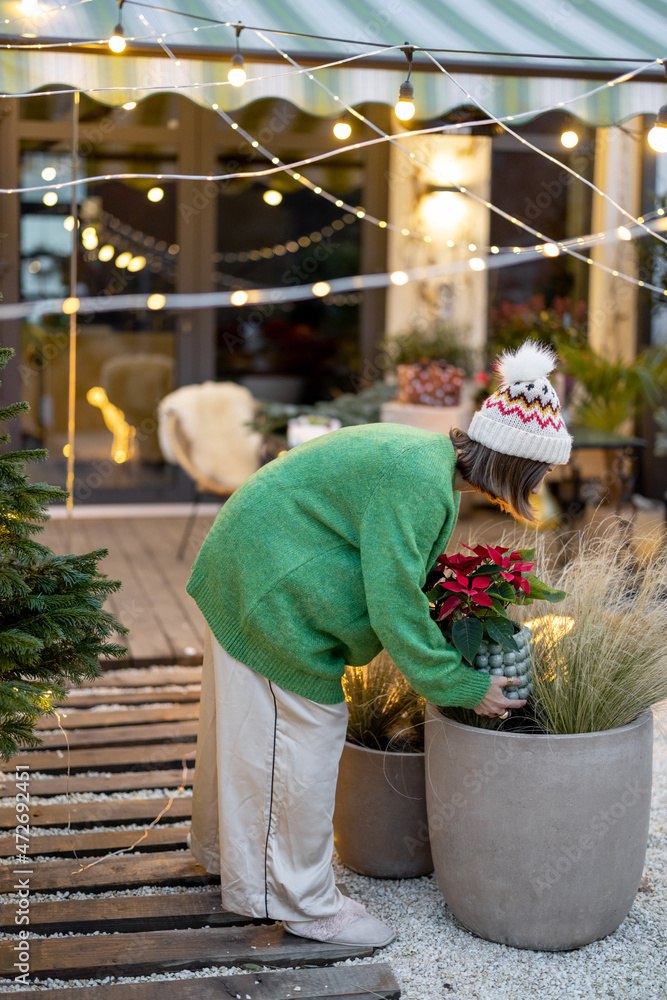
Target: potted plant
380 826
539 831
431 367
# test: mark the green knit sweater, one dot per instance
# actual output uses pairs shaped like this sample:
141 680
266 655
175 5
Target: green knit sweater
318 560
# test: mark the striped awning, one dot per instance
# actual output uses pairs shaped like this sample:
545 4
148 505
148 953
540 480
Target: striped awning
600 40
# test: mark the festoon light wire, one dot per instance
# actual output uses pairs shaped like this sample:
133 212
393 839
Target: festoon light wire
488 204
547 156
277 295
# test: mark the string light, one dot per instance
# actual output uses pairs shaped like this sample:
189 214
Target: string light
405 108
123 259
272 197
550 249
321 288
569 139
657 137
117 40
129 106
399 278
237 74
49 173
155 194
239 298
50 198
107 252
156 301
623 233
342 129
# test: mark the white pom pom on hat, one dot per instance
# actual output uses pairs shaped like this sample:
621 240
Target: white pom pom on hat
523 417
531 361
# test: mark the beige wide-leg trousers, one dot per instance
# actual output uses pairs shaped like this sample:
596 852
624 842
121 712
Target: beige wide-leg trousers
264 792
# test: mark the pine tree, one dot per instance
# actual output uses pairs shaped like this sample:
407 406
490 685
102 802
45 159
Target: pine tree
53 627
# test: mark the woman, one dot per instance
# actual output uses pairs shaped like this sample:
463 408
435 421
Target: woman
316 562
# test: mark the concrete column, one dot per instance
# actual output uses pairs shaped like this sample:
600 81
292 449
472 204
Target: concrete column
448 218
612 325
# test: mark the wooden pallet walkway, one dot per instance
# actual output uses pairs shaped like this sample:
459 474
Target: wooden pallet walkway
133 749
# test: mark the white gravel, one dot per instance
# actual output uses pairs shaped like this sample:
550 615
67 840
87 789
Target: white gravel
435 957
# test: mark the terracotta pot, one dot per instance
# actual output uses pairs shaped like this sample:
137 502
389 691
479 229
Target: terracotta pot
538 841
380 826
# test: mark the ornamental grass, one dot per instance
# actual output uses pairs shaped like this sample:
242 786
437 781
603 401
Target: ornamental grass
385 713
601 659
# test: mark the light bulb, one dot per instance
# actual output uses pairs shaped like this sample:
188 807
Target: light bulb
49 173
130 106
551 250
155 194
123 259
50 198
476 263
107 252
623 233
657 138
237 75
117 40
156 301
399 277
239 298
321 288
137 264
569 139
342 130
405 109
272 197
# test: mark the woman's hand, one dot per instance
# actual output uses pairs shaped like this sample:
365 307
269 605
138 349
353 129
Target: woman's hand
494 702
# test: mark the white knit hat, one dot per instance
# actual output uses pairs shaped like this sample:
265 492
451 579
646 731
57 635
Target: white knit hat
522 417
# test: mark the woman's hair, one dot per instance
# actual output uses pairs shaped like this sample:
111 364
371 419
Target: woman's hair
505 479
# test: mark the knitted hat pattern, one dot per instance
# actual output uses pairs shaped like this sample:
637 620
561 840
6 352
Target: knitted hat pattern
522 417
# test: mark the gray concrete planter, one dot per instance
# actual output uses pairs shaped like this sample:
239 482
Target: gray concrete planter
380 826
538 841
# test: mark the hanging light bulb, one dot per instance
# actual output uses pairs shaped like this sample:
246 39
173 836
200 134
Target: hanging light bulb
657 137
405 108
342 129
237 74
117 40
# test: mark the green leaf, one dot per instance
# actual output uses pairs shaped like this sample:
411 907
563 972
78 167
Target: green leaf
502 631
540 591
499 607
467 634
504 590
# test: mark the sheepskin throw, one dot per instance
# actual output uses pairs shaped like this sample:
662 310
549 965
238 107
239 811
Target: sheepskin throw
212 423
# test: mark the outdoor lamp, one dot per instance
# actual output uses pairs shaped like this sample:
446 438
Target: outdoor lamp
237 74
657 137
404 108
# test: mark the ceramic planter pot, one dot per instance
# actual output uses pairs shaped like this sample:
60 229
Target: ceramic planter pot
380 825
538 841
502 661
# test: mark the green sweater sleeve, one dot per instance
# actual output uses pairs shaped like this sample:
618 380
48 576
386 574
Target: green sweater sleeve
401 525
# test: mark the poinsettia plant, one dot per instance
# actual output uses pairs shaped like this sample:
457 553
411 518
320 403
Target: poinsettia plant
470 594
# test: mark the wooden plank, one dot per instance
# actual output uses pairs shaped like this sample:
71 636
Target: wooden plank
187 625
152 632
126 781
129 913
78 700
169 868
100 812
119 717
113 735
146 755
167 951
94 842
374 981
146 677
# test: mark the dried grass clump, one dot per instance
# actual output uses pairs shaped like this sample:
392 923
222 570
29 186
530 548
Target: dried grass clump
609 666
385 713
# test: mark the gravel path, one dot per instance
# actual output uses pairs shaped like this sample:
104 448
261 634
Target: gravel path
435 957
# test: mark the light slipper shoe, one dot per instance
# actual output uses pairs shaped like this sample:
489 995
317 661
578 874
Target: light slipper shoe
352 925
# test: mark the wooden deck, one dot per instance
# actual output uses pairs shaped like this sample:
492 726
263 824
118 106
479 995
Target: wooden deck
164 622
